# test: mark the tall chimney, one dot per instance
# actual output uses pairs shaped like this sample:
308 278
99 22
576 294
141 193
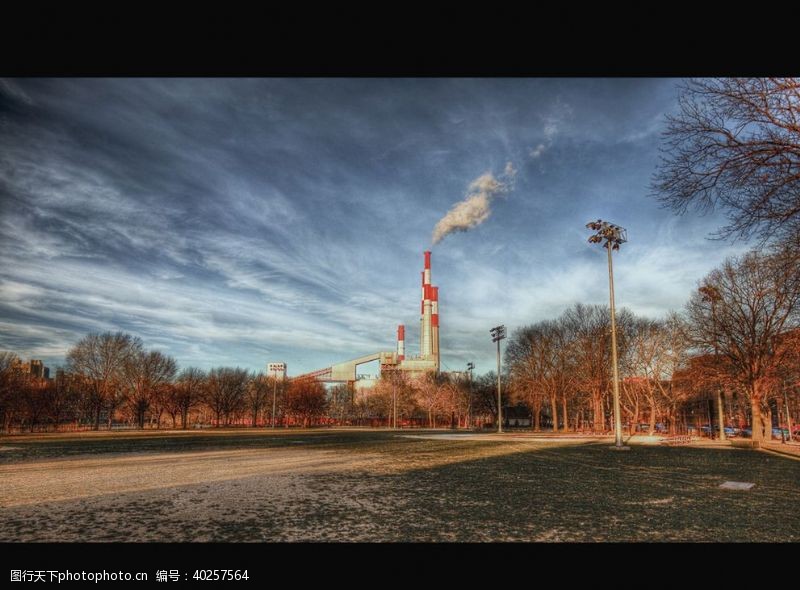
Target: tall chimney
435 324
426 332
401 342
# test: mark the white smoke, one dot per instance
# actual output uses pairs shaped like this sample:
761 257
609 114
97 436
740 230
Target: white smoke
476 206
537 151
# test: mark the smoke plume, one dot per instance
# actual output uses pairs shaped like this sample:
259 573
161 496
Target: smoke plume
476 206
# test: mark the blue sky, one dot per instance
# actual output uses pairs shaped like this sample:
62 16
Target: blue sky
238 222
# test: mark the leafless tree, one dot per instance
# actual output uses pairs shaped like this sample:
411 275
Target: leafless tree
341 404
654 350
188 392
757 304
10 382
735 145
145 374
589 328
539 363
430 395
256 395
224 392
307 400
484 395
100 359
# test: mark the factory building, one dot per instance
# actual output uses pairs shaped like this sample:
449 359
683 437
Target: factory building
426 361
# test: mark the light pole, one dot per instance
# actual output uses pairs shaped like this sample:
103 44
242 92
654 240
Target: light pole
613 235
711 294
394 401
470 367
274 397
498 333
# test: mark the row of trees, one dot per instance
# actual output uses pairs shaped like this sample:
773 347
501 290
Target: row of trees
112 378
738 342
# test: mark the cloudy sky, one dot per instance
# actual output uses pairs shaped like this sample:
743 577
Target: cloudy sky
238 222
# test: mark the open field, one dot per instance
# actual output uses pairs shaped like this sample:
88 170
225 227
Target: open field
356 485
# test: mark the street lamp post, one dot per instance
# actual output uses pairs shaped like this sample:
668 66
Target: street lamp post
470 367
498 333
613 235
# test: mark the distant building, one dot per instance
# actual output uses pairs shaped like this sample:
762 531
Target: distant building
34 368
37 369
516 416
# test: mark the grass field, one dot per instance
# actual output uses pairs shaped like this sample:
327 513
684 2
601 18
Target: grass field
384 486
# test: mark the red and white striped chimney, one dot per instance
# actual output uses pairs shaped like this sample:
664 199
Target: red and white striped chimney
426 334
401 342
435 324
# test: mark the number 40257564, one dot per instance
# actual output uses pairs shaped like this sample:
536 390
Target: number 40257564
222 575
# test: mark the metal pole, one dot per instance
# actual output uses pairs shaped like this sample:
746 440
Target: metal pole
286 409
617 417
469 403
394 403
274 392
788 415
499 401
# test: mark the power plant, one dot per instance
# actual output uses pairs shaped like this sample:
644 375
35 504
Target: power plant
426 361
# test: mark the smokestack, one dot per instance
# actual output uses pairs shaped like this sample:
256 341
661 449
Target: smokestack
426 333
401 342
422 316
435 323
427 271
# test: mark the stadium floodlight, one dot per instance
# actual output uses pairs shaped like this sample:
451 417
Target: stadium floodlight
498 333
613 236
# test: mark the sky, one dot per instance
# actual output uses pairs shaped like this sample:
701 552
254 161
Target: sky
236 222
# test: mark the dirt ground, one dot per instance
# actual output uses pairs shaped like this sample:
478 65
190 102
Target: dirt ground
379 486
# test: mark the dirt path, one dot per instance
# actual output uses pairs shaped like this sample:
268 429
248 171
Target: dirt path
31 483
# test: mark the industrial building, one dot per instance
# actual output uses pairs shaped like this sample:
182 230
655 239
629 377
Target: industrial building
426 361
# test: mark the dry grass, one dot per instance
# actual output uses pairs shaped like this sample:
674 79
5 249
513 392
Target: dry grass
377 486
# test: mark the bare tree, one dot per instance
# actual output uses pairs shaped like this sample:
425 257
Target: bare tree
100 359
538 358
341 405
589 327
654 351
224 392
430 395
10 382
735 145
307 400
258 390
145 375
188 392
484 395
757 304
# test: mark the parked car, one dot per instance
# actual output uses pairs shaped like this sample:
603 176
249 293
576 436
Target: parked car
780 432
730 431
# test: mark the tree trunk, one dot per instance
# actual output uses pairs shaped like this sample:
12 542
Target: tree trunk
184 416
651 429
537 415
564 412
757 419
599 424
554 411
